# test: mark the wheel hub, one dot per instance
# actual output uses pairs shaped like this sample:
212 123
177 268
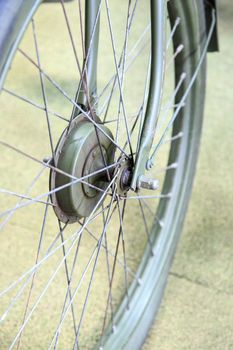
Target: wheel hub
81 151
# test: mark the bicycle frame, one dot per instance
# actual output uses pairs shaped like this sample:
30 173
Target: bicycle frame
157 7
157 39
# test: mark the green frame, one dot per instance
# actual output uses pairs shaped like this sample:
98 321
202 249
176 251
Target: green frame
156 78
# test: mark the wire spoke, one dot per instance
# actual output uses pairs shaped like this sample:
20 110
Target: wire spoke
99 245
159 196
68 291
22 288
54 274
187 91
111 283
145 225
107 262
24 197
34 273
30 187
158 220
81 26
110 253
50 253
68 279
121 80
71 37
118 76
97 248
34 104
42 87
76 180
176 24
71 100
121 217
128 66
170 102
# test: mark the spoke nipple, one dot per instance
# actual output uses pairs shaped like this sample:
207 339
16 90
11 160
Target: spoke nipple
147 183
3 317
178 20
47 160
173 165
180 48
149 164
139 281
113 329
161 223
183 76
152 252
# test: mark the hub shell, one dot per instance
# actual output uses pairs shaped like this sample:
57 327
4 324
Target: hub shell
82 149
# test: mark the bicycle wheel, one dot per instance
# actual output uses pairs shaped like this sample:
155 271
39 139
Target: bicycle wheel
86 257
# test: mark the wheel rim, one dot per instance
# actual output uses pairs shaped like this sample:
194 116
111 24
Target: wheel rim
166 215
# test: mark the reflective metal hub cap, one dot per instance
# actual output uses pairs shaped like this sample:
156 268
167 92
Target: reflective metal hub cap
79 153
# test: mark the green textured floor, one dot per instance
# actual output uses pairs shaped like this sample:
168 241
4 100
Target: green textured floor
197 311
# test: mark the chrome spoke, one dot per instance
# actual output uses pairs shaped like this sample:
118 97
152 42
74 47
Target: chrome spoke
178 50
99 245
71 100
118 77
107 262
83 74
121 78
22 288
159 196
68 291
34 104
69 280
187 91
30 187
71 38
113 79
86 58
121 217
173 138
4 191
35 199
111 284
42 87
145 225
158 220
96 249
81 26
53 276
170 102
176 24
51 252
34 273
110 253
